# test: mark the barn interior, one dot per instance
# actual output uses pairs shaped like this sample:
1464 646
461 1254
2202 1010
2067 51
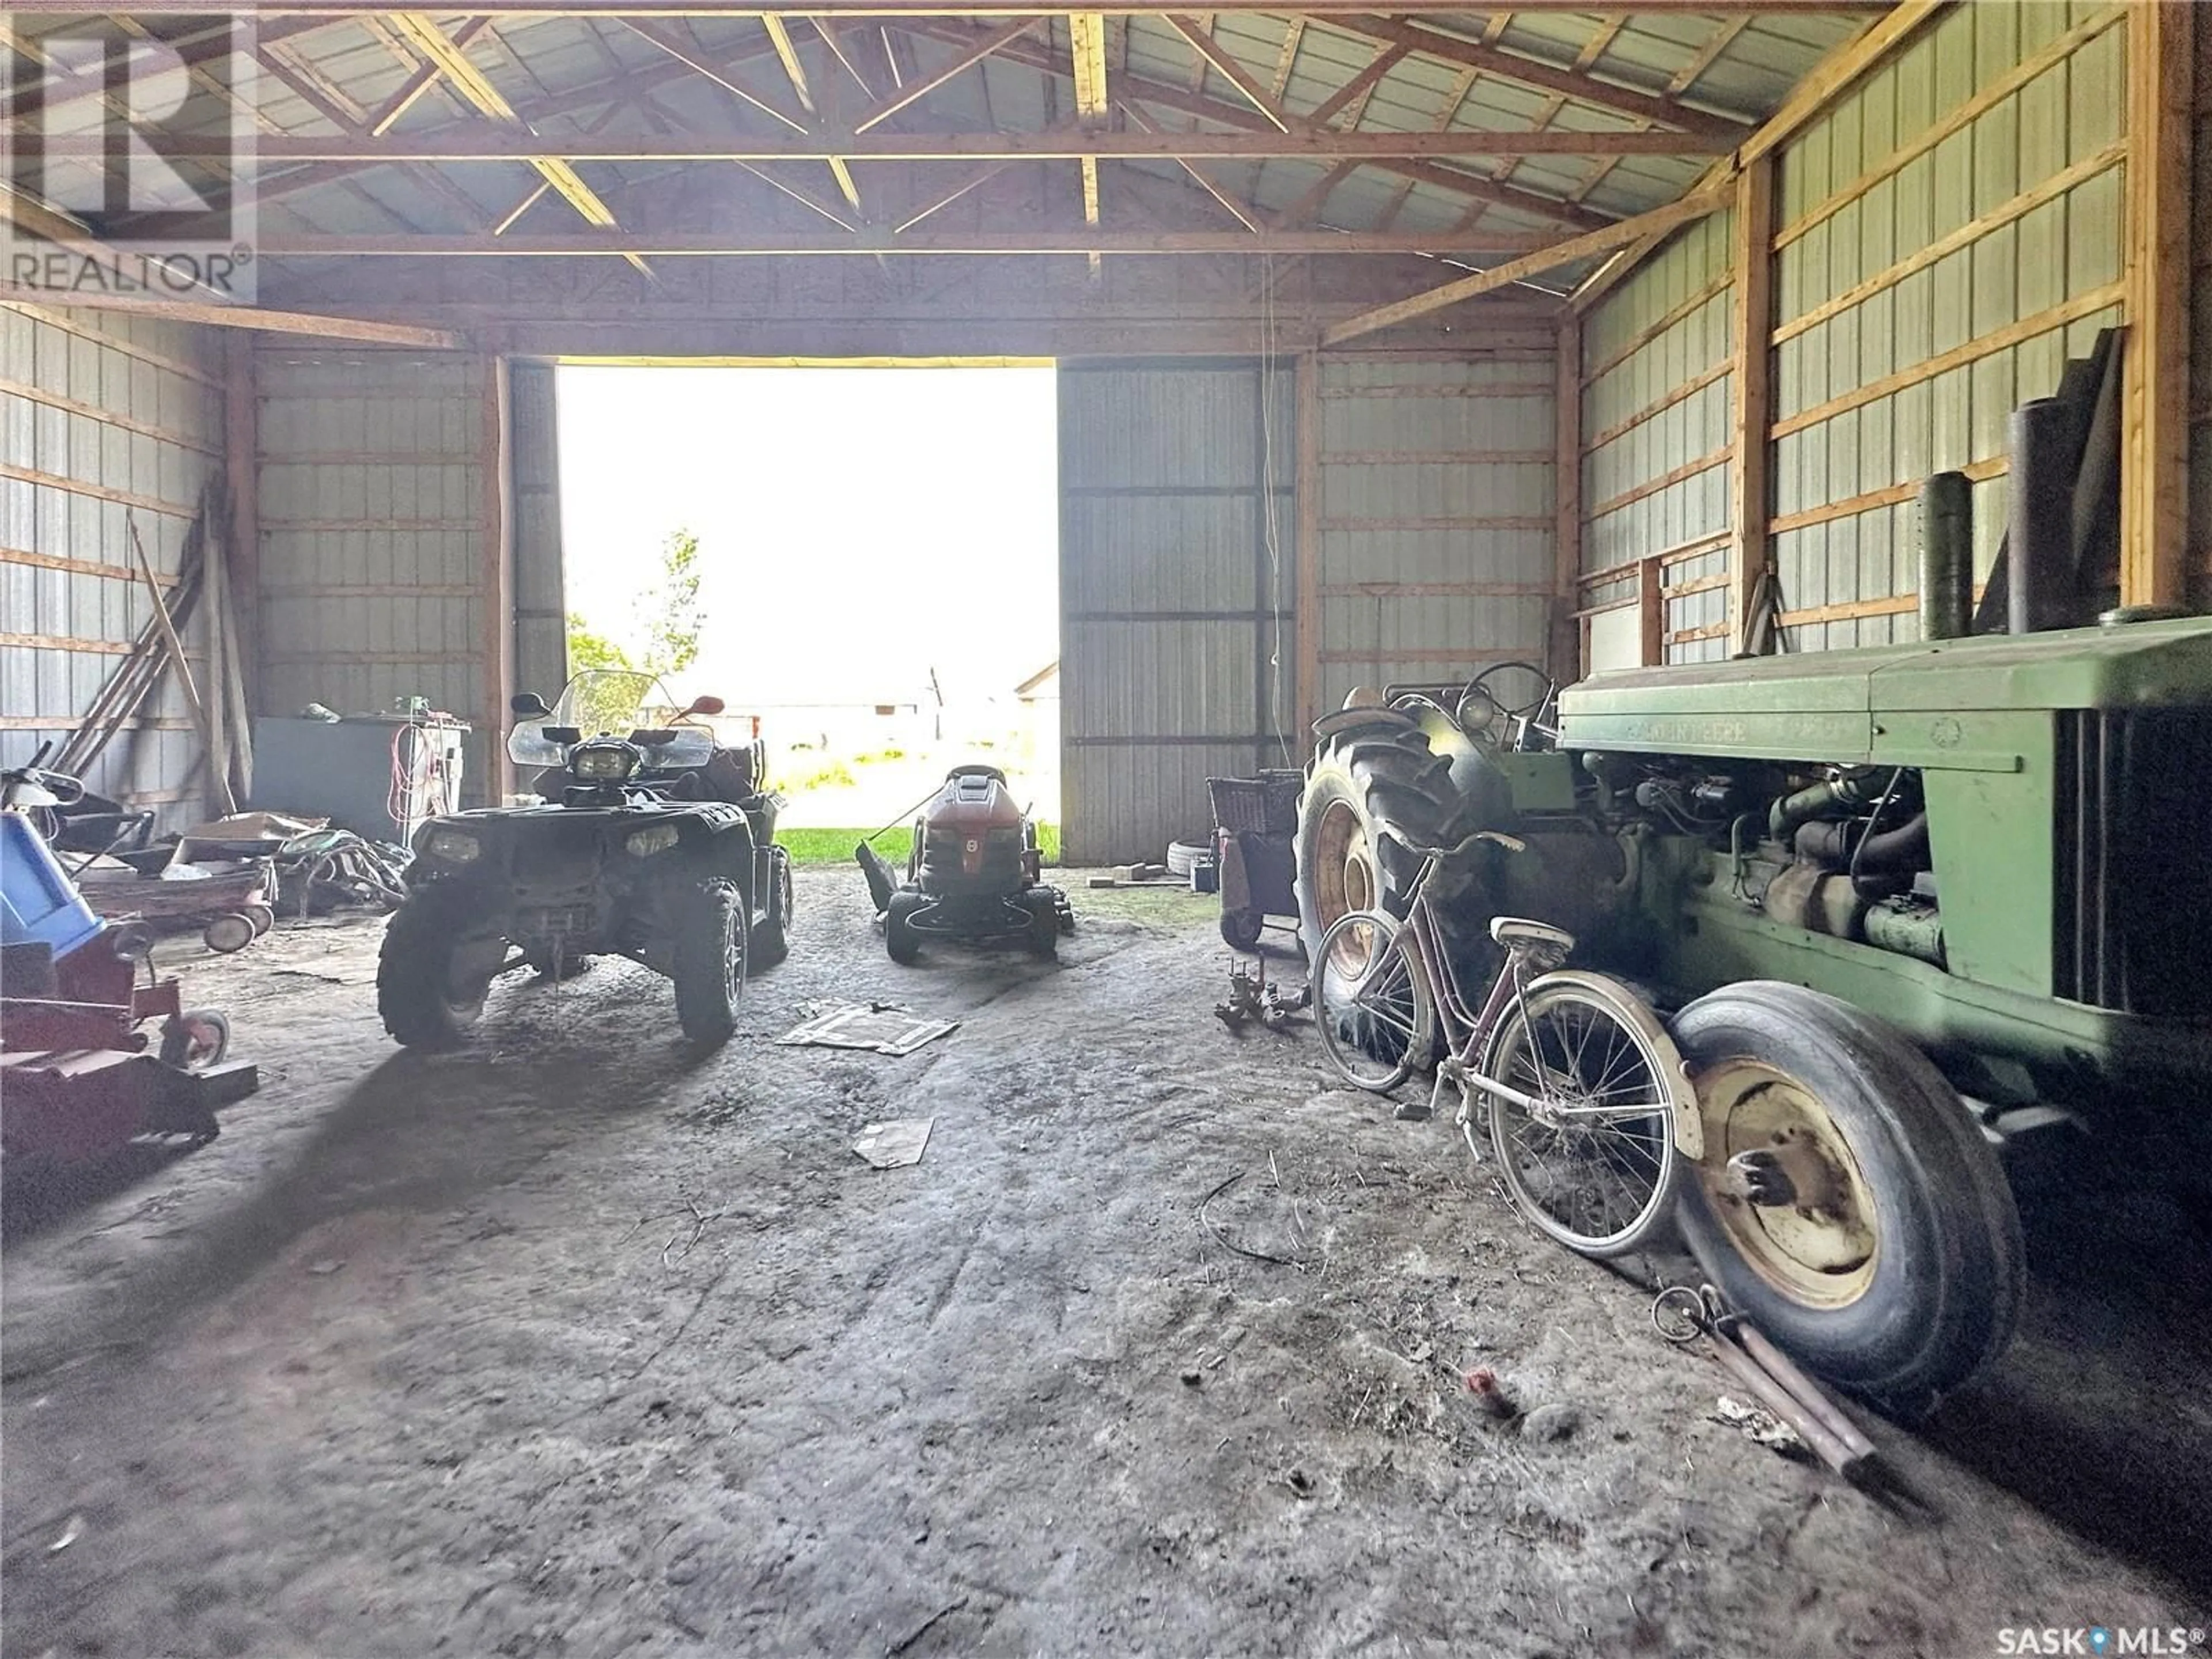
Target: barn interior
1611 346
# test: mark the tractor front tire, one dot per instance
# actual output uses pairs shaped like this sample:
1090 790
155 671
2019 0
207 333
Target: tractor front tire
1895 1267
420 1006
1043 937
711 951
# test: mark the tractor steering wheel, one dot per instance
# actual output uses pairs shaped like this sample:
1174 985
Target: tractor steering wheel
1488 716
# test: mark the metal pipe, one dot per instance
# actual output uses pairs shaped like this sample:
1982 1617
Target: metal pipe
1821 1440
1807 1393
1946 557
2040 545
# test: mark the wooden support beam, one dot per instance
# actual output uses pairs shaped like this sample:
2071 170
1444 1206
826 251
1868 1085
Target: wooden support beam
1235 73
1751 375
2155 388
485 143
1842 65
1236 117
242 436
229 316
909 9
972 54
1528 71
732 244
495 546
1564 644
1355 92
1657 221
681 48
1306 497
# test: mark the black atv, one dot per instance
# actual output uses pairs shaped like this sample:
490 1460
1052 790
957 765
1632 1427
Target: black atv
653 841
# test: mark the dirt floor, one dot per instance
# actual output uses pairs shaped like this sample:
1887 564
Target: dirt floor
572 1344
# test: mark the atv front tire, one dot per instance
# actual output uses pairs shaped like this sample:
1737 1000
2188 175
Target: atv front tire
900 938
771 940
422 1006
711 951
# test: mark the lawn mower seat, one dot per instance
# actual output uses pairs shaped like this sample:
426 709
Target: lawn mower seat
975 769
735 775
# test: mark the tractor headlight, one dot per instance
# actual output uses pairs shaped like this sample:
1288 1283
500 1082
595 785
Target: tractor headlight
644 843
453 845
604 762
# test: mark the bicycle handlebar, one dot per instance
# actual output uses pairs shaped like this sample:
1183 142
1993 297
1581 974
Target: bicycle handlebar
1496 837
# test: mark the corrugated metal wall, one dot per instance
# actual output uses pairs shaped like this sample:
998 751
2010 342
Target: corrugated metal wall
541 628
1436 537
1178 584
1656 450
106 417
1947 235
373 510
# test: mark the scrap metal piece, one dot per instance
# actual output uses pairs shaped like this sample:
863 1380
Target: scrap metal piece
884 1030
895 1143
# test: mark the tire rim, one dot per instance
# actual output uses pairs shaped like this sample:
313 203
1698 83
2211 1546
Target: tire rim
733 954
1344 869
1819 1251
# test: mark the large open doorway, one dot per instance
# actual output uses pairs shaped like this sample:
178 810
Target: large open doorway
862 559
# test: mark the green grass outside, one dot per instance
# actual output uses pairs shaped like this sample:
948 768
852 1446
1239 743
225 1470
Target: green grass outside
813 849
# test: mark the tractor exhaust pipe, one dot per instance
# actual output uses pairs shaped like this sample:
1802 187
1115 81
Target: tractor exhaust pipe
1946 557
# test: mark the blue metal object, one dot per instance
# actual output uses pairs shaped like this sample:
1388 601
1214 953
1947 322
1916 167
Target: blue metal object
38 903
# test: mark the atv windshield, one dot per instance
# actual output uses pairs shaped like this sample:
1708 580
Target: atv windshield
617 703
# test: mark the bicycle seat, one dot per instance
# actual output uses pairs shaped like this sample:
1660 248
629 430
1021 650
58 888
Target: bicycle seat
1510 931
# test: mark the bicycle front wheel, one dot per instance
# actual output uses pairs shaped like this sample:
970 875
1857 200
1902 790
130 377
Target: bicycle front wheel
1371 999
1593 1162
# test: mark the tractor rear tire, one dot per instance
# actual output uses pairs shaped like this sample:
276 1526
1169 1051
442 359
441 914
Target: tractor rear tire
1374 789
1903 1277
771 940
900 938
711 958
415 994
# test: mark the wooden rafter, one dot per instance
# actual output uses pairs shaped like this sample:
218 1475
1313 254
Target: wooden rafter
1159 96
913 9
1235 73
685 51
1071 238
1547 77
481 141
972 53
1659 221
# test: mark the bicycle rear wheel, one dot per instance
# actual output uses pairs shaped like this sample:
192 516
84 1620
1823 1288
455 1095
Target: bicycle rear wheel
1594 1164
1371 1001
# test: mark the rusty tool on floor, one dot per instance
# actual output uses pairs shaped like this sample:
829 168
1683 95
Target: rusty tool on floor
1683 1314
1254 996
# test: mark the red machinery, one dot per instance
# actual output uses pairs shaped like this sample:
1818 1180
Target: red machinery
77 1077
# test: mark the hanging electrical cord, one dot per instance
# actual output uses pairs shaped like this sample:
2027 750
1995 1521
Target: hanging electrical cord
1270 525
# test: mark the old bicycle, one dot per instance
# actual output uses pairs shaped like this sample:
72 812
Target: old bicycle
1580 1092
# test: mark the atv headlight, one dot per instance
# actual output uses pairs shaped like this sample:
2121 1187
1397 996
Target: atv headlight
604 762
644 843
455 846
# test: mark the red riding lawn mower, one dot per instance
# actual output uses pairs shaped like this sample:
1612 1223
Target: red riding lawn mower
78 1079
975 873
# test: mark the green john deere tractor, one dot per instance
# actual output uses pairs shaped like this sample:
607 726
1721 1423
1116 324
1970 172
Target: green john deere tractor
1918 912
